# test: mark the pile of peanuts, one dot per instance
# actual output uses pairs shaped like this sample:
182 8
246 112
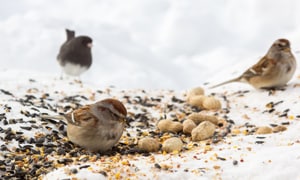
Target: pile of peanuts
200 126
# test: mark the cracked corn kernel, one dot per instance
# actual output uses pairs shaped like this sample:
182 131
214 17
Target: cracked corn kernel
236 131
207 148
118 175
125 162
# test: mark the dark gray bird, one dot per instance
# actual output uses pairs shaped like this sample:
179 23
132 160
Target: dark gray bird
75 56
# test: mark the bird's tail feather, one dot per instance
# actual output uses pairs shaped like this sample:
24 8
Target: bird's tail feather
70 34
57 117
226 82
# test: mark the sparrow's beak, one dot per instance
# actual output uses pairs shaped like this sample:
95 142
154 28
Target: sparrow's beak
287 49
89 45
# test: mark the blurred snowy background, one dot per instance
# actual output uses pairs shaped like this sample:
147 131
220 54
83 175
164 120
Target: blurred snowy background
173 44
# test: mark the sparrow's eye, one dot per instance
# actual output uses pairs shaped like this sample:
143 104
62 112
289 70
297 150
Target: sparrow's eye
282 44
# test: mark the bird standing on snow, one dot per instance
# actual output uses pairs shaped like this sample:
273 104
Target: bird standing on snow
75 56
96 127
274 70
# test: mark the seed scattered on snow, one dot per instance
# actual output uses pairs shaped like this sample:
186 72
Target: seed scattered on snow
37 148
26 127
172 144
235 162
259 142
285 123
156 165
203 131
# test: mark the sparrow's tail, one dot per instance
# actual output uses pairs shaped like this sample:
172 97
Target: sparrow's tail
57 117
238 79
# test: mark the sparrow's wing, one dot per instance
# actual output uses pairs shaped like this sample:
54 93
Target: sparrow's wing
260 68
257 69
81 117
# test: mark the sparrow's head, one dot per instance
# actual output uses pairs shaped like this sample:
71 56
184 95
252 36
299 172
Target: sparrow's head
281 45
114 106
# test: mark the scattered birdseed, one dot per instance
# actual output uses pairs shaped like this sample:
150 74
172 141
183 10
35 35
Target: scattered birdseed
259 142
84 167
6 92
221 158
74 171
235 162
260 137
157 166
28 128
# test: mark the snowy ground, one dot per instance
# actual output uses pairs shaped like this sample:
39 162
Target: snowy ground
242 154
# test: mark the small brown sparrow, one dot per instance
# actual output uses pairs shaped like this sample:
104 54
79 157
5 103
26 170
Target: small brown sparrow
75 56
274 70
96 127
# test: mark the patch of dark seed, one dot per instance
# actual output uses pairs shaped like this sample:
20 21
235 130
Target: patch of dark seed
7 108
260 137
32 80
271 106
28 128
241 93
284 113
84 167
32 152
259 142
273 125
6 92
285 123
156 165
221 158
